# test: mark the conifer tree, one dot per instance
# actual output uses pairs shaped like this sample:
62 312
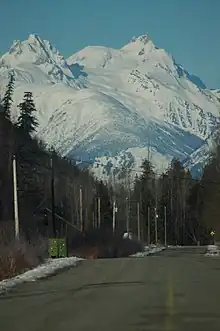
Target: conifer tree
27 120
145 189
105 204
7 99
210 183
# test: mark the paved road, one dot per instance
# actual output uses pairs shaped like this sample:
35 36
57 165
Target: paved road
177 290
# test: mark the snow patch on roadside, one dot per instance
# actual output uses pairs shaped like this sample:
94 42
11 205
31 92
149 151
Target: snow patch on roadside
48 268
213 250
148 251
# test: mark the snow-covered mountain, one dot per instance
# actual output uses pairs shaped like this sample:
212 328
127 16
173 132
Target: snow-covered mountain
114 107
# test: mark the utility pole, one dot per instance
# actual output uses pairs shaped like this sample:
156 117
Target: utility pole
156 216
138 221
93 219
96 213
114 216
165 225
86 218
148 144
148 158
127 215
128 202
148 225
114 210
16 217
99 212
81 209
171 206
141 218
52 197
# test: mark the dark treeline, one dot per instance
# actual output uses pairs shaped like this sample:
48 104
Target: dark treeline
186 207
37 170
173 207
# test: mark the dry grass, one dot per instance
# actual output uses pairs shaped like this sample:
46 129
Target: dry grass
86 252
17 257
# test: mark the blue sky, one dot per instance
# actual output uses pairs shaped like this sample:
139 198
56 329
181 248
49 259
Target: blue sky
188 29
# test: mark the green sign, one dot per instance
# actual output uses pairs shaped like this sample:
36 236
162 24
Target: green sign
58 247
63 247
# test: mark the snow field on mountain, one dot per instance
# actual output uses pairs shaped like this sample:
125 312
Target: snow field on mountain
103 104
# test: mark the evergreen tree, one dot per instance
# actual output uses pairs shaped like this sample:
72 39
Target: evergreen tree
175 187
7 142
27 120
6 149
121 193
145 192
26 147
7 99
210 183
105 204
196 229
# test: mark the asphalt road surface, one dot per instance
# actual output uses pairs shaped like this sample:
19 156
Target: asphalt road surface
176 290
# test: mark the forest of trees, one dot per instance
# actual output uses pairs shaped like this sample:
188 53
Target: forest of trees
58 198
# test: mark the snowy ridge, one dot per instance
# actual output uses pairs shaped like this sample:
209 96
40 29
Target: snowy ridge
36 61
93 56
107 106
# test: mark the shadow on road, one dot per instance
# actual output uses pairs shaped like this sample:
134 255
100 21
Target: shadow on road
18 295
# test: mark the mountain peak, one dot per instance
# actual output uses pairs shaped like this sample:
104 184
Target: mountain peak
34 39
35 51
17 45
32 50
143 39
141 45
